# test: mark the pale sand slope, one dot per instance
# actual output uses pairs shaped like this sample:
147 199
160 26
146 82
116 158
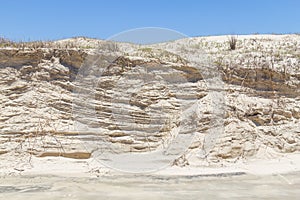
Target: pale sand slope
66 167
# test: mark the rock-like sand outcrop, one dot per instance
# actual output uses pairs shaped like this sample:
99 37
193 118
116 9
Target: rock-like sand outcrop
135 101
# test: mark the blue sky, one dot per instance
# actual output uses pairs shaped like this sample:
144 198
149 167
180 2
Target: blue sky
57 19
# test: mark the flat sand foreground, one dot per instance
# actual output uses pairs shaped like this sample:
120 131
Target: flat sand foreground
213 186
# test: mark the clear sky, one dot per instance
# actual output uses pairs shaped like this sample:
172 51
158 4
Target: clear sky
56 19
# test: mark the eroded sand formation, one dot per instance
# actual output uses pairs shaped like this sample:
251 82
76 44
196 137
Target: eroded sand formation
258 110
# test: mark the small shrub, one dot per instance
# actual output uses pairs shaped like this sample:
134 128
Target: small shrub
5 42
232 42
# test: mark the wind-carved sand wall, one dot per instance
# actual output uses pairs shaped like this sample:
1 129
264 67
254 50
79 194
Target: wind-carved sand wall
260 82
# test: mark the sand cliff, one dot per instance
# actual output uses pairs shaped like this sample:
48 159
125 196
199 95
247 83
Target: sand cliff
249 96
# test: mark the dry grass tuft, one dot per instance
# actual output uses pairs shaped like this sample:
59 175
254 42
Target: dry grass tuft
232 42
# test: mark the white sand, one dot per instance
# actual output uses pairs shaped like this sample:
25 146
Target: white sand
66 167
